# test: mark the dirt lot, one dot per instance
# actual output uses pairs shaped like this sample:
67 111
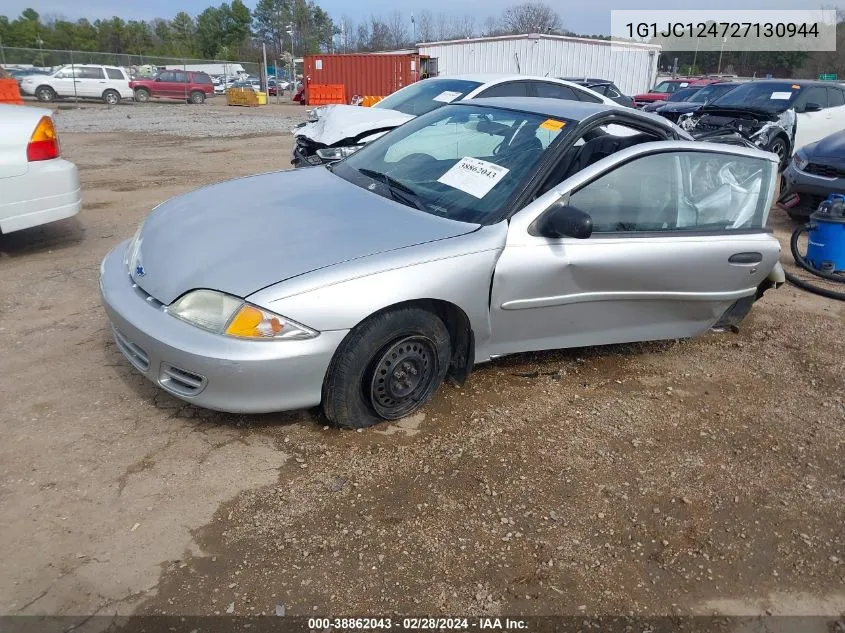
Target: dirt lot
680 477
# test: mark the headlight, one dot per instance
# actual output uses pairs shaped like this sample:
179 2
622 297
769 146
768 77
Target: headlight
220 313
130 258
337 153
315 113
800 161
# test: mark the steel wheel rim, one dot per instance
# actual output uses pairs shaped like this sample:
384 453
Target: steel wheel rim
44 94
779 150
111 98
403 376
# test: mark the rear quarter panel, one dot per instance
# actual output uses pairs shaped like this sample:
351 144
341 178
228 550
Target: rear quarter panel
16 126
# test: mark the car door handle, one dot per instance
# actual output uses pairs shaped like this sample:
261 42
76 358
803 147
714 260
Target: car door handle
746 258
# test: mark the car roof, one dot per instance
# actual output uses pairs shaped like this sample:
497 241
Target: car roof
561 108
491 78
565 109
592 80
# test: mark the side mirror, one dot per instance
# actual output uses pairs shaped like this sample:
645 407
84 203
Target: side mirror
812 107
565 221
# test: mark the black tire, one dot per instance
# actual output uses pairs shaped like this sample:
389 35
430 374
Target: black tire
142 95
780 147
197 97
111 97
360 388
45 94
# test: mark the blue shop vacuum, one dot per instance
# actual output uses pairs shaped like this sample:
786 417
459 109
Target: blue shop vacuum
825 256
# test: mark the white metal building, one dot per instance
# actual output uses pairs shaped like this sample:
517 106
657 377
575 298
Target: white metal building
632 67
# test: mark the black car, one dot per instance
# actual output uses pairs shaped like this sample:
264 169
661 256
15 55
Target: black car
604 87
683 95
816 170
770 113
673 110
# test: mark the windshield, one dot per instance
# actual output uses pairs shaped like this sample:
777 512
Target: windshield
711 92
460 162
774 97
669 86
427 95
683 95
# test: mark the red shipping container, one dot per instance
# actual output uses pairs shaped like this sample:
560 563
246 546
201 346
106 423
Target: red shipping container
363 74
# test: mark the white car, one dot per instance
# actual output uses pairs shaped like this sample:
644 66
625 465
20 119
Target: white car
89 81
36 185
335 131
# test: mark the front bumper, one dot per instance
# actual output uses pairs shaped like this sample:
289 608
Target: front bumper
211 370
810 189
300 158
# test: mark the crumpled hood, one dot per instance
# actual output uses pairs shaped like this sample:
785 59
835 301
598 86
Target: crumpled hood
339 122
832 146
246 234
680 107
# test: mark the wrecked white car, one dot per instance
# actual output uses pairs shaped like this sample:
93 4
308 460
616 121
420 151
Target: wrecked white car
777 116
336 131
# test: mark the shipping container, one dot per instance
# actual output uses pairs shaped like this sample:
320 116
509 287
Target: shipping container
632 67
363 75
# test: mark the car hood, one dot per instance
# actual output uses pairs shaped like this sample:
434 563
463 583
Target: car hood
243 235
339 122
832 146
680 107
651 96
743 112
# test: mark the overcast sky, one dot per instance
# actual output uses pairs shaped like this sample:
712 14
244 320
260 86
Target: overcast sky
592 18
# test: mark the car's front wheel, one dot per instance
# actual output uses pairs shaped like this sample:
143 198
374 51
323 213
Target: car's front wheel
386 368
45 94
780 147
197 97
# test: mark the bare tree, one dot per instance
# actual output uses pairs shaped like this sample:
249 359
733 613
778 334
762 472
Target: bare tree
443 30
530 17
490 27
464 26
347 33
425 26
397 29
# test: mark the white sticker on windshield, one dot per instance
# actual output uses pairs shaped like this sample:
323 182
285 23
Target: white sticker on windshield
684 84
473 176
447 96
781 95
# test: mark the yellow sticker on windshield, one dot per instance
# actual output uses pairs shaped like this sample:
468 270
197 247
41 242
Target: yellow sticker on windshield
551 124
796 87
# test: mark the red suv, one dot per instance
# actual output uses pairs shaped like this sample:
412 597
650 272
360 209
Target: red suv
189 86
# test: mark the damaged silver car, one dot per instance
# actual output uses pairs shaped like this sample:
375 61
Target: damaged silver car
778 116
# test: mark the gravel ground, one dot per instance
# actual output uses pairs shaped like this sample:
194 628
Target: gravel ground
206 121
678 477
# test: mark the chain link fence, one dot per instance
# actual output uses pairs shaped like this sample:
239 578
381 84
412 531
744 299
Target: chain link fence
135 65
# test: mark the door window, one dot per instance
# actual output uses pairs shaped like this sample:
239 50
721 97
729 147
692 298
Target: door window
813 94
555 91
167 76
679 191
115 73
68 73
91 72
835 97
180 77
611 92
509 89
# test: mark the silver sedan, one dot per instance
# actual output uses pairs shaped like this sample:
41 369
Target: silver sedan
481 229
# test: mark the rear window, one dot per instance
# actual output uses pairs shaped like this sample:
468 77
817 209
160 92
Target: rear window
114 73
202 78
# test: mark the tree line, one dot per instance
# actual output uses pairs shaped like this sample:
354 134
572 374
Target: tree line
231 31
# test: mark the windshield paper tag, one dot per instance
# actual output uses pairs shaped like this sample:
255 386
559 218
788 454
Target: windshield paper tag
447 97
781 95
551 124
473 176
